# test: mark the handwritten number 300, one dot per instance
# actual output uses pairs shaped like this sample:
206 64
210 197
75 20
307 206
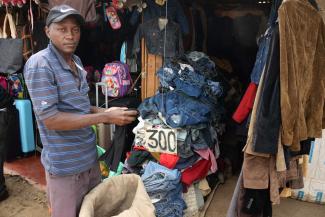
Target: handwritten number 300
167 142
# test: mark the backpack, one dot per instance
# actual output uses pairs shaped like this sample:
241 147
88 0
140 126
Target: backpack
4 83
16 85
118 79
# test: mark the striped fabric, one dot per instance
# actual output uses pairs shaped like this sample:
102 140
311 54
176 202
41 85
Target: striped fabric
53 88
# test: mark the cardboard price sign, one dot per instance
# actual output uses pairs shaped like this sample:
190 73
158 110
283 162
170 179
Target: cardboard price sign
161 140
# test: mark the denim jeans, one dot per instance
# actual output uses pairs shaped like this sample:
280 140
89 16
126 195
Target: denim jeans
188 88
202 65
174 208
178 109
264 44
200 137
182 77
184 149
166 76
171 206
157 178
274 12
164 184
261 56
196 56
214 88
166 194
186 162
198 140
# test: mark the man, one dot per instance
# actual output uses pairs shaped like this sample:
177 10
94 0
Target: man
57 85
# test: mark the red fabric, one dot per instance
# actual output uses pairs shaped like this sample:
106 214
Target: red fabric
197 172
139 148
5 84
168 160
246 104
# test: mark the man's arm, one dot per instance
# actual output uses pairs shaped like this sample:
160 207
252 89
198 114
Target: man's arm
70 121
94 110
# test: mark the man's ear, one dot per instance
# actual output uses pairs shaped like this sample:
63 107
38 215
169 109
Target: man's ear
47 31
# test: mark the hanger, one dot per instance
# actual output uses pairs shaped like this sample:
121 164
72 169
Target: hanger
160 2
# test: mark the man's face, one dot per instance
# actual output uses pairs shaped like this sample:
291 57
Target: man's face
65 35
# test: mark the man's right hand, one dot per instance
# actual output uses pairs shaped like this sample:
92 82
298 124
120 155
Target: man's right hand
119 116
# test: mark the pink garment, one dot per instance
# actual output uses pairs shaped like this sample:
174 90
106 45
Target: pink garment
207 154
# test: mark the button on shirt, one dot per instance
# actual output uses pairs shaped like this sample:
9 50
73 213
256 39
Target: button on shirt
54 88
155 38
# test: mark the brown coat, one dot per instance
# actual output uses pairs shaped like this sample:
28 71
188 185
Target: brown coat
302 75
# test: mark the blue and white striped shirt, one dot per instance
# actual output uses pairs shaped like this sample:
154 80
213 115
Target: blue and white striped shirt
53 88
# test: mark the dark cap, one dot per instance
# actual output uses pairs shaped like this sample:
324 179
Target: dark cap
60 12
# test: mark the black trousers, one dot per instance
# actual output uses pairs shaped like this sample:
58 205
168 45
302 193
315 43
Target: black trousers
123 136
10 146
3 145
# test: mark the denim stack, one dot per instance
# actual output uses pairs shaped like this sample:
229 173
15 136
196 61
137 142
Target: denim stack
190 102
165 190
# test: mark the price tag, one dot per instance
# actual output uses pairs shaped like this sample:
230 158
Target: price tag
161 140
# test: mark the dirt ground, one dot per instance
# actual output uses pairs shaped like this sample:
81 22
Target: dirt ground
25 200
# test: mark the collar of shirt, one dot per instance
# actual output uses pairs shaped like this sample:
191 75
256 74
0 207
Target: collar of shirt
62 61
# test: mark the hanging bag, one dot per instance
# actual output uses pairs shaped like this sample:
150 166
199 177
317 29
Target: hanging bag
118 79
11 49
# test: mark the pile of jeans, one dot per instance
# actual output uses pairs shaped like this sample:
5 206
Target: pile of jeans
165 190
197 77
190 102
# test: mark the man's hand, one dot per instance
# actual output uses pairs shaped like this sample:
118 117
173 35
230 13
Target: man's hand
120 116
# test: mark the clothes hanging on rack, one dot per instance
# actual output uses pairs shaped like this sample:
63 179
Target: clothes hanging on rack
155 38
264 43
153 10
302 50
268 118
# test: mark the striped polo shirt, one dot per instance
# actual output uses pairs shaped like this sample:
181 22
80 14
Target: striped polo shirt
53 88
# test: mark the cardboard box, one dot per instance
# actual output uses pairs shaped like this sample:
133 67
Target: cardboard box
314 190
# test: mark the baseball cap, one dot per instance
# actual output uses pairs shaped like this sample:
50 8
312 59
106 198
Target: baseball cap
60 12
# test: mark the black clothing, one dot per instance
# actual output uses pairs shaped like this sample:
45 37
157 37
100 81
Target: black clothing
268 116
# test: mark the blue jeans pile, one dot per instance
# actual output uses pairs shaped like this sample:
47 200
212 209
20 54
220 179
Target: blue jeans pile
195 75
165 190
185 78
190 101
178 109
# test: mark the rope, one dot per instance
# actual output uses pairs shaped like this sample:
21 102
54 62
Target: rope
165 38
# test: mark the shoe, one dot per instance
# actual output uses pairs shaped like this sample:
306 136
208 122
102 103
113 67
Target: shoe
4 195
